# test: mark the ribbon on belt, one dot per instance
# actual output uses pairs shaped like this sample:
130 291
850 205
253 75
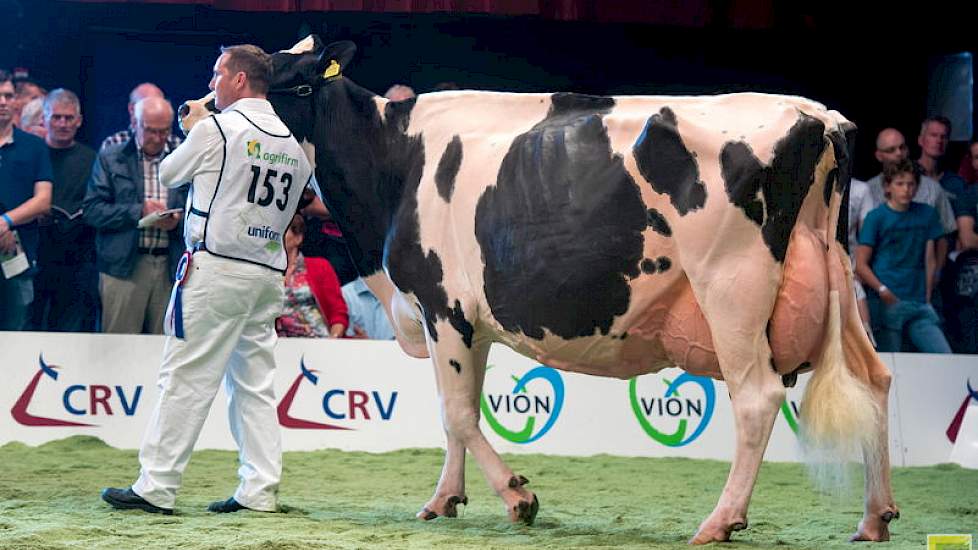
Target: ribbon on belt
174 316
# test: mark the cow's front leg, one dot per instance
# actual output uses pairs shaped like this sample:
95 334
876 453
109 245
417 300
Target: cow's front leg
756 393
460 371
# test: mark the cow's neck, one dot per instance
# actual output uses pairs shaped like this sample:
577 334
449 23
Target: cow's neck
365 163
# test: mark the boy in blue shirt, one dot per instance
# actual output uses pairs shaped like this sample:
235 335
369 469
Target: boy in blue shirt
896 258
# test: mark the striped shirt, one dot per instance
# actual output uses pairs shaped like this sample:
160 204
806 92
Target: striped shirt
152 238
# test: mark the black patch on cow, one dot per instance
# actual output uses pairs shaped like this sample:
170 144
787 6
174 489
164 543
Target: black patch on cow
455 365
457 319
666 163
563 103
658 223
648 266
451 161
783 184
561 231
742 176
842 146
830 180
663 264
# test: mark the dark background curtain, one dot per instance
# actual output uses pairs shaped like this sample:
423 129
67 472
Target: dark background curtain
872 67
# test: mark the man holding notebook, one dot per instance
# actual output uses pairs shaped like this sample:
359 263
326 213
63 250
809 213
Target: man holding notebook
135 264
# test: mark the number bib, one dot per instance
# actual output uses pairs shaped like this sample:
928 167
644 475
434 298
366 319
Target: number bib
261 181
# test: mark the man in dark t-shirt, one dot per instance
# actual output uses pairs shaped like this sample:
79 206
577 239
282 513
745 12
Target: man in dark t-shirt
66 291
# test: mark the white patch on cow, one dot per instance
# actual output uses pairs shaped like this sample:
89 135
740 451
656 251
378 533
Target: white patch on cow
303 46
381 102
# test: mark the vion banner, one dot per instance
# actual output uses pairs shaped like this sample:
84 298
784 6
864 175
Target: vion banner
369 396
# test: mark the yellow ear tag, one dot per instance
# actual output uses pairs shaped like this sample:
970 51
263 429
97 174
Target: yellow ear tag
332 70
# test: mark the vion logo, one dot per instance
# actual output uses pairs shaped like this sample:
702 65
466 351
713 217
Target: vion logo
76 399
789 408
536 395
336 404
678 415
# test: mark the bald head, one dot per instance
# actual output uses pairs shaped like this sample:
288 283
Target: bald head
144 90
891 147
154 119
139 93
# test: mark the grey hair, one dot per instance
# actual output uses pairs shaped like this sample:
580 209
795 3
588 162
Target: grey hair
60 96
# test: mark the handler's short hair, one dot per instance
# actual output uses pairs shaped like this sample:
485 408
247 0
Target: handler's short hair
253 62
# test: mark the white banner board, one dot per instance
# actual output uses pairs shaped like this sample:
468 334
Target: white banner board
369 396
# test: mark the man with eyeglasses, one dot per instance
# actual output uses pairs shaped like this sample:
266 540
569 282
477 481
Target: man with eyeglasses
139 93
65 288
136 265
25 194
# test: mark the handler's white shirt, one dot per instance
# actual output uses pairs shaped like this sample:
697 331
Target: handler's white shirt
248 173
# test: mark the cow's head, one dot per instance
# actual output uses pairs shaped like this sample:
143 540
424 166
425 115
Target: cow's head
298 76
194 110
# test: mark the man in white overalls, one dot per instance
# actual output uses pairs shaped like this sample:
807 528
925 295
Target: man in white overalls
248 174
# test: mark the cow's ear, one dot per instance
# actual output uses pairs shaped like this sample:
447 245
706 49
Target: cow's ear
336 57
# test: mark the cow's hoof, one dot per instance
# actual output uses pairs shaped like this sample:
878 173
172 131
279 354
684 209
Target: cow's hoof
451 505
865 534
876 528
717 533
524 511
445 507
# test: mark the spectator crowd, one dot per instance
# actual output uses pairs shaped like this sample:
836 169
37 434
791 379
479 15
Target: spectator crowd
76 256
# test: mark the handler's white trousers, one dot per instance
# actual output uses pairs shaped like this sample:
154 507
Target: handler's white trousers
229 311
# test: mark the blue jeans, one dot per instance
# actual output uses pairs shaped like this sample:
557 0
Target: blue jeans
918 320
16 296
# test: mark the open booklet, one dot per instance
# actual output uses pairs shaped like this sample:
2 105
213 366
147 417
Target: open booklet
14 263
150 219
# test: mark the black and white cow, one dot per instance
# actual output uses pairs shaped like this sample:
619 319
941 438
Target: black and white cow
613 236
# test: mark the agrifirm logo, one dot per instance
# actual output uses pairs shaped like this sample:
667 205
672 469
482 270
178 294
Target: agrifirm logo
253 149
335 404
955 426
78 400
678 413
529 410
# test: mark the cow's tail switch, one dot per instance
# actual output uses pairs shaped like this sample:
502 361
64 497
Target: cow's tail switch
840 418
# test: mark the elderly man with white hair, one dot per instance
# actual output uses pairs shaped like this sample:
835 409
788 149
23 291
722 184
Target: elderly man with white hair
136 265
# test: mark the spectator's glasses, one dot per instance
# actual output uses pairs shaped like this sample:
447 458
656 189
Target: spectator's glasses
893 149
159 132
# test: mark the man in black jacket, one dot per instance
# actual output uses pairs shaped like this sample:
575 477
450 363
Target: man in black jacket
136 265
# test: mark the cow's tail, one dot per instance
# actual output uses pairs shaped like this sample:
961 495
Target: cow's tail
840 418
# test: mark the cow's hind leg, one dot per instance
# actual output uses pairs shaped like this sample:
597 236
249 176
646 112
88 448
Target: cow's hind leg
863 363
756 394
455 391
460 371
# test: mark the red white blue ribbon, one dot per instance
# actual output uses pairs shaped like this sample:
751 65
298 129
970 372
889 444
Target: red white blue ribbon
174 314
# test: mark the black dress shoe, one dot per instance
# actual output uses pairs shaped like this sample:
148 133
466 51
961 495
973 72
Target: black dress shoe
126 499
225 506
